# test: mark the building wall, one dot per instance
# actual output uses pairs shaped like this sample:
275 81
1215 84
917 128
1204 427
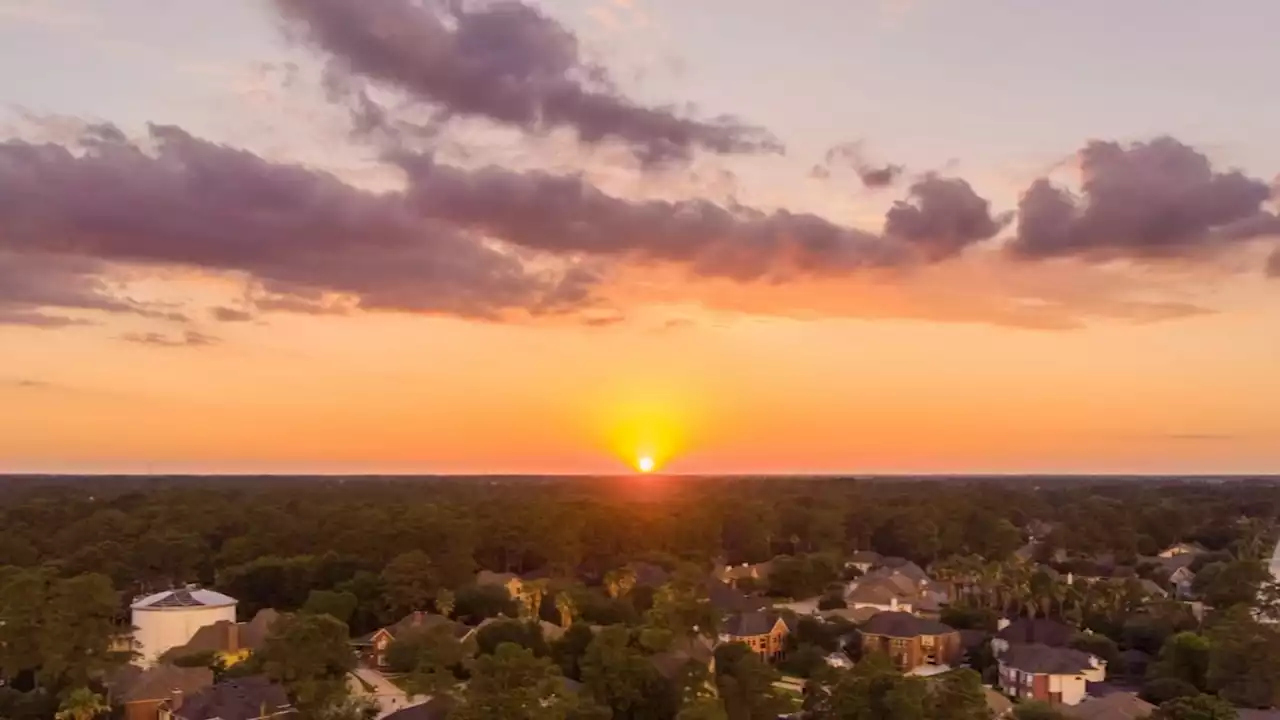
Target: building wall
1056 689
159 630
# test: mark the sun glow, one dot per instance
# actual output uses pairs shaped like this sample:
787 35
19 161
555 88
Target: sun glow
645 464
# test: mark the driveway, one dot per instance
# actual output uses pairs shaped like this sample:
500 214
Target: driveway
390 697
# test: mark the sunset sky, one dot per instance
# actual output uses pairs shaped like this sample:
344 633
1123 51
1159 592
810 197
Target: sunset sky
548 236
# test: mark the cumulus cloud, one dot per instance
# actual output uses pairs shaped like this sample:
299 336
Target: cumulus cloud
567 214
33 283
941 217
1146 200
189 202
504 61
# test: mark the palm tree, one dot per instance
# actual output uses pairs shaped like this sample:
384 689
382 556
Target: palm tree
445 601
612 584
564 604
626 581
533 592
81 704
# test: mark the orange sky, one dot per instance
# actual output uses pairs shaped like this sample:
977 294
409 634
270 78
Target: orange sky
749 310
717 392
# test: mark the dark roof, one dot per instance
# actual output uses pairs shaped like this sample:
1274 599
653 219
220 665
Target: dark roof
218 637
253 634
903 625
905 567
971 639
1117 706
1045 660
649 575
411 622
725 598
437 708
160 681
1040 630
749 624
242 699
682 652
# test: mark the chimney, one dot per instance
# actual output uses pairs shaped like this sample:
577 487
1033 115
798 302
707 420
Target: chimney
893 604
1071 578
175 700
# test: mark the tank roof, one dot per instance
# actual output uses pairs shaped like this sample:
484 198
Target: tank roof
177 599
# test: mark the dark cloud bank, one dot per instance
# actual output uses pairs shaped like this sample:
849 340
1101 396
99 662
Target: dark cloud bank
310 242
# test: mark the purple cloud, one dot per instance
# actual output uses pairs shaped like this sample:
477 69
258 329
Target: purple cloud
505 61
941 217
1147 200
566 215
1273 264
851 154
194 203
226 314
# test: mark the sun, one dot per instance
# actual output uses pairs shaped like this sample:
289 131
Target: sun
645 463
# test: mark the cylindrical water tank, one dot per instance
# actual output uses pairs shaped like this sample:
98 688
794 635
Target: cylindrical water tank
168 619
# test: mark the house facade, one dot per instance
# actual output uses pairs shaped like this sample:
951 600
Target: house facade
1055 675
764 632
373 647
911 641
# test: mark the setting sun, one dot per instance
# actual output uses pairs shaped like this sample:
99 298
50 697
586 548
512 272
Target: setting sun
645 464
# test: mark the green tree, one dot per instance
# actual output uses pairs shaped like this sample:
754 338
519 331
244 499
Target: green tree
336 604
513 684
703 708
428 658
445 602
569 649
958 695
82 704
745 684
1197 707
78 627
620 675
1184 657
308 655
1244 661
410 581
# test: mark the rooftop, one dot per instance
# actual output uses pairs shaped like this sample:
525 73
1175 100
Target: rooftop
904 625
1045 660
186 598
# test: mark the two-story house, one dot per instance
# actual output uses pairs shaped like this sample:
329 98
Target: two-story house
911 641
373 647
1055 675
762 631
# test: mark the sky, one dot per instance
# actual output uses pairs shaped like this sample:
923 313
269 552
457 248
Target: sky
555 236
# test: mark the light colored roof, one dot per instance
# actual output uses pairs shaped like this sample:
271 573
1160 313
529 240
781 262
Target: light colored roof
179 599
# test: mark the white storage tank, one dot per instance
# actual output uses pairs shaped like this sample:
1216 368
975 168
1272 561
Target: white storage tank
168 619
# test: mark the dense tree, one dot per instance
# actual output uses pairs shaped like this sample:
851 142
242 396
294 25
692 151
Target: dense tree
340 605
82 704
411 582
516 632
745 684
309 655
429 658
1244 661
1036 710
513 684
958 695
620 675
1184 657
1196 707
1231 583
568 649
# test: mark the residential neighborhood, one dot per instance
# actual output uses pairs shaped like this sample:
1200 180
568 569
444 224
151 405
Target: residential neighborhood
1094 636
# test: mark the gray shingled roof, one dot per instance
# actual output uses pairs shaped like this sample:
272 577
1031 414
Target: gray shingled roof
1117 706
1040 630
241 699
748 624
1045 660
904 625
159 682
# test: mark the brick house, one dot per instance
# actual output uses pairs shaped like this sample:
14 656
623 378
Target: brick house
764 632
372 648
1054 675
145 693
911 641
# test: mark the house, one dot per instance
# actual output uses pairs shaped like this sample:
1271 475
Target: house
683 652
902 566
1116 706
1152 589
1054 675
229 642
764 632
864 560
1180 580
145 692
373 646
735 575
727 599
910 641
251 698
1183 548
857 616
512 582
1029 631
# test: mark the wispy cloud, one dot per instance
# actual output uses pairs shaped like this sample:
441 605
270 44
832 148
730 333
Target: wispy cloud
190 338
